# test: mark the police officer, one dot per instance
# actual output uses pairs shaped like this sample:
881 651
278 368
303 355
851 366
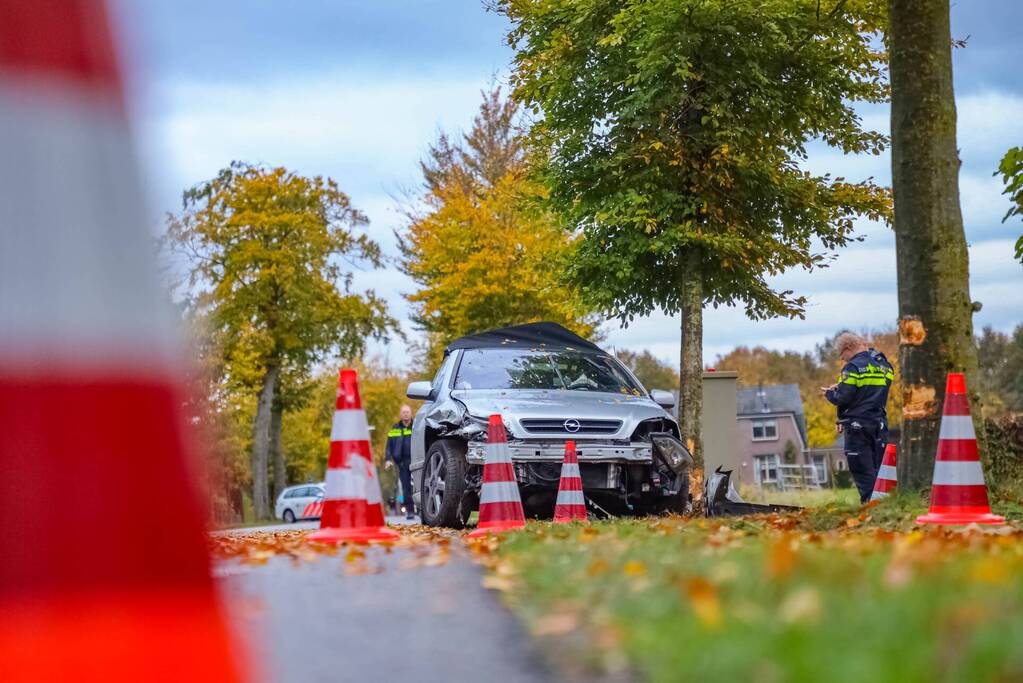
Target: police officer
399 452
861 394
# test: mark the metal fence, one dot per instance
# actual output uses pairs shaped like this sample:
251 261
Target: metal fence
797 478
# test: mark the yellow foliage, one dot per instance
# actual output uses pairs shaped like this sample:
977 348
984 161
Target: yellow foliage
489 258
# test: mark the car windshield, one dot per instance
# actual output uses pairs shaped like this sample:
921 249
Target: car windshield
525 369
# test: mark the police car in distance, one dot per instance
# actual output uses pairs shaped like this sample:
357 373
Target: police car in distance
292 502
549 386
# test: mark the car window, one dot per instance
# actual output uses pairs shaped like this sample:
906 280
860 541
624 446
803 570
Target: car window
293 493
591 372
506 369
441 373
528 369
312 492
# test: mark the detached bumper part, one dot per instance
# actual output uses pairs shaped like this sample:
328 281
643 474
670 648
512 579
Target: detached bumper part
720 499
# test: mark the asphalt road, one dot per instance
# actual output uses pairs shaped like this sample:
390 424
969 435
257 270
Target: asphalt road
317 621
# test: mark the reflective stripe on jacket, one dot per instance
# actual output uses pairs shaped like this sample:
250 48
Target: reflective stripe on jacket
862 390
399 443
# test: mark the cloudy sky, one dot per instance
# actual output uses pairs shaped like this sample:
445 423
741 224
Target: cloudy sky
356 90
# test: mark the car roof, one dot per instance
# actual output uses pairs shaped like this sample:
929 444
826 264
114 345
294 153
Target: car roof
529 336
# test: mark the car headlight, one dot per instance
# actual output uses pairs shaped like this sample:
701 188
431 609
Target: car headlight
671 451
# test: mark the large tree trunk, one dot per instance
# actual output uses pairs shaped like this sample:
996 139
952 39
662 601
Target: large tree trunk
261 443
935 312
276 452
691 363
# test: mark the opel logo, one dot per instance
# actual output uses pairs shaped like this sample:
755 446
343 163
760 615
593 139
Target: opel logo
571 425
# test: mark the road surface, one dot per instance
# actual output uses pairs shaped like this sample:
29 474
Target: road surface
310 621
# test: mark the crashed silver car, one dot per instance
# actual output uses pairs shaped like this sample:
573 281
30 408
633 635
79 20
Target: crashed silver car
549 386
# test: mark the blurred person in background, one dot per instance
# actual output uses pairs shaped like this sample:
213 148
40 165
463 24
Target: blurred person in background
399 452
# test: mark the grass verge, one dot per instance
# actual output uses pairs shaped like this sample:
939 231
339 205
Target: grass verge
836 593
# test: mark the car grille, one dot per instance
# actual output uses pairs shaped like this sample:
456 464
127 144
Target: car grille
557 426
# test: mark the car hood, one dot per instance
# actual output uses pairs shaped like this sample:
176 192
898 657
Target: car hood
515 405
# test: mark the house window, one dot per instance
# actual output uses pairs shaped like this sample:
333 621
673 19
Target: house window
765 468
820 467
765 430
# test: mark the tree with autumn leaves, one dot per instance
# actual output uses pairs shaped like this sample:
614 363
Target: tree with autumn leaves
481 247
671 135
270 256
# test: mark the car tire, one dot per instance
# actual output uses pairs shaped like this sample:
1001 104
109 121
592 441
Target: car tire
288 517
442 485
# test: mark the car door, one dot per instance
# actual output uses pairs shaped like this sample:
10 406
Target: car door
303 497
438 386
287 500
313 494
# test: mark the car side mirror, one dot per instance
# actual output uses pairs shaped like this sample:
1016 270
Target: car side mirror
419 391
665 399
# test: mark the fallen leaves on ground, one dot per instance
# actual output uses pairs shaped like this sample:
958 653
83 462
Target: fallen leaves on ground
427 546
841 580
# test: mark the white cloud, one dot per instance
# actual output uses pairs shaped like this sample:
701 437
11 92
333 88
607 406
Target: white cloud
996 281
369 134
988 123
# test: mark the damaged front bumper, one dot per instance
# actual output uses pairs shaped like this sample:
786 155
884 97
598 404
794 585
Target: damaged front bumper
615 473
554 451
720 499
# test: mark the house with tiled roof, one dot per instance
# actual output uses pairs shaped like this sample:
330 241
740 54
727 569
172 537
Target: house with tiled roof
771 431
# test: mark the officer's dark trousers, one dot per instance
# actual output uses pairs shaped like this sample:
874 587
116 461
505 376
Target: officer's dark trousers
405 476
864 449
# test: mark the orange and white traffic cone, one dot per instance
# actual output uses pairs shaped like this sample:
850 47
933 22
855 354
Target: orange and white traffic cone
104 573
352 505
886 476
570 505
958 492
500 504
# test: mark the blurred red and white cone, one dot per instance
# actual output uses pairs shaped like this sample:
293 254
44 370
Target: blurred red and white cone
500 503
958 492
104 573
886 476
570 505
352 506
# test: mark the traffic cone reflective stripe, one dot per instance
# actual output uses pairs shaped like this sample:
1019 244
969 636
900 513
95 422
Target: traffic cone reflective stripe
104 574
500 504
351 509
958 491
886 475
570 505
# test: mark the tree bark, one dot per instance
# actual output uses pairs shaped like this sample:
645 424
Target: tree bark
261 443
691 362
276 452
935 311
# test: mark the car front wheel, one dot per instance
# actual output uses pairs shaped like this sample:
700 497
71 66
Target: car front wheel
289 517
443 484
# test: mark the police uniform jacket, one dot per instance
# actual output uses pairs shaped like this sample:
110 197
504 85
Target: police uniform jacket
862 390
399 443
